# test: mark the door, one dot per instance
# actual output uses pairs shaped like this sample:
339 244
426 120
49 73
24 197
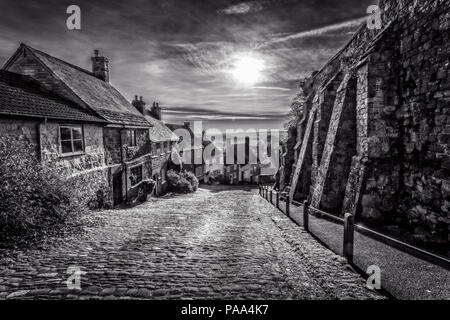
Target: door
117 188
157 180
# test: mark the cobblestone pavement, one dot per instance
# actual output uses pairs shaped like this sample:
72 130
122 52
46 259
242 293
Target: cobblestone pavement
219 243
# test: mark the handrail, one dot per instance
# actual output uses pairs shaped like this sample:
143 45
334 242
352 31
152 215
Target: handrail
326 214
297 203
377 236
405 247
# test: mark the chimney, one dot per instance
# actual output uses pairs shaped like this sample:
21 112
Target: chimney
139 104
156 111
100 67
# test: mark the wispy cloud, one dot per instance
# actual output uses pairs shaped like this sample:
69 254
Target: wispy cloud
272 88
180 50
316 32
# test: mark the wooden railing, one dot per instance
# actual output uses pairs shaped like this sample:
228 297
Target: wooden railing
349 229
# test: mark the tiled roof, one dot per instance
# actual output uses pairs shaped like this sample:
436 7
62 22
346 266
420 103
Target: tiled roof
22 96
97 94
160 132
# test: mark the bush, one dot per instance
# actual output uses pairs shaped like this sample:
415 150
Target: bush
34 200
181 182
142 191
189 176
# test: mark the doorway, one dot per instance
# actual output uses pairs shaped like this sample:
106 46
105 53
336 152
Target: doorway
117 188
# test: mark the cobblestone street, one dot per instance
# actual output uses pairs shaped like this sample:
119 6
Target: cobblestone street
221 242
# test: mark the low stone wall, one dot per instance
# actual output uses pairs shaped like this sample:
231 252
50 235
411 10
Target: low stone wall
93 187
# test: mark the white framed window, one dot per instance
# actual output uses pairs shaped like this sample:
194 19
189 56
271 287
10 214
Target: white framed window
131 138
71 139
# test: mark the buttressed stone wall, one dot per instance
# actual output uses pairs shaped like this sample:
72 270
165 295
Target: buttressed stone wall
376 136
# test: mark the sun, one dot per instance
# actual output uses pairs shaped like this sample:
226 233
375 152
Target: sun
247 69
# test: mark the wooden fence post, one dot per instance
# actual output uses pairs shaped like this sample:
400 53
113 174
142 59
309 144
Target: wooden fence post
306 215
278 200
288 204
271 195
348 236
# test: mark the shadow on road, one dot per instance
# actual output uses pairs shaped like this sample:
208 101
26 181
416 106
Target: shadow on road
223 188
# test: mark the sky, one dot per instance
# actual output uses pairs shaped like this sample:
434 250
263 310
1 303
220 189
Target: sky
231 64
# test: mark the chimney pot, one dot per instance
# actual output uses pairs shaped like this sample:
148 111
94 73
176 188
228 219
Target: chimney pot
96 52
156 111
139 104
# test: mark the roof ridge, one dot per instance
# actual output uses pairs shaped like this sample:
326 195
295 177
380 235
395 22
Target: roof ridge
60 60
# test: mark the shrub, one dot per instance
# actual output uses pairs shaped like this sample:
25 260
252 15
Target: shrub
179 183
34 199
189 176
141 192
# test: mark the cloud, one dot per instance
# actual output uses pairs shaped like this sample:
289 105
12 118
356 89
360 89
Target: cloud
350 24
242 8
187 112
178 52
272 88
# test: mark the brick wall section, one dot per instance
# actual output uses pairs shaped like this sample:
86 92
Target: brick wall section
111 138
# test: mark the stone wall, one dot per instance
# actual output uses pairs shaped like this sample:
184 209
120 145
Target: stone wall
386 155
86 172
92 158
24 129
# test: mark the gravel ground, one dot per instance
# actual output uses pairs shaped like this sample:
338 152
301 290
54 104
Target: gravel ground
219 243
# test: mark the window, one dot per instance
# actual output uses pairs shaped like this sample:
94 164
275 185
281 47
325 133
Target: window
71 139
136 175
158 148
132 138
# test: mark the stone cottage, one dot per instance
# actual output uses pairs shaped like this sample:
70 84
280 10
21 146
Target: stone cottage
109 155
372 136
162 141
